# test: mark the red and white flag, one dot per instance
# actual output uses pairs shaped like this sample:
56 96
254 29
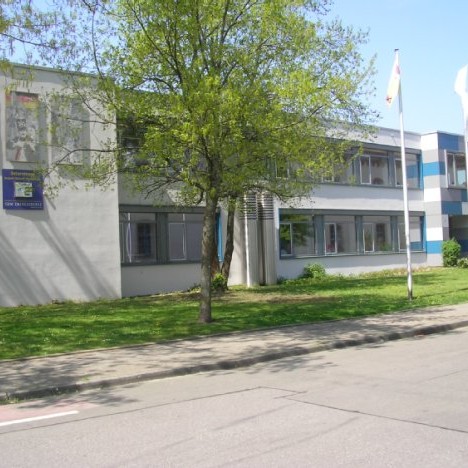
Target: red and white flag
394 82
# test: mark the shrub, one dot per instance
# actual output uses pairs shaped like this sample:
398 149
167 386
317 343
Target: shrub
462 262
314 270
451 250
219 283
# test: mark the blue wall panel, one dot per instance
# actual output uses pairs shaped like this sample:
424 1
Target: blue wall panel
449 142
434 247
434 168
451 208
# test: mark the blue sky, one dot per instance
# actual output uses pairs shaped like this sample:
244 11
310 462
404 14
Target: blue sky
433 42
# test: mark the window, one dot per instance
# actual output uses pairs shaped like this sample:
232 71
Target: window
340 174
131 139
340 235
160 237
456 170
138 237
412 171
185 236
377 234
374 169
345 234
296 233
282 169
416 239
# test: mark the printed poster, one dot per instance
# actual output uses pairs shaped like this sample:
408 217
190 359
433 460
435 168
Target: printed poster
22 190
22 132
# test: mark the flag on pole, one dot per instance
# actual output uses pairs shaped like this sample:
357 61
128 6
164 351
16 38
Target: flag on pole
394 82
462 90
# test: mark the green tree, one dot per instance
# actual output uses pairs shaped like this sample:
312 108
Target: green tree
230 94
27 26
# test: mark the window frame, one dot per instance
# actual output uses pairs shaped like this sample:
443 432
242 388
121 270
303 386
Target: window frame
417 160
413 221
452 172
388 240
161 236
130 239
333 239
310 235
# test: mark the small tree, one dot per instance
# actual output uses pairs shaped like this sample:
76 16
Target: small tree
229 93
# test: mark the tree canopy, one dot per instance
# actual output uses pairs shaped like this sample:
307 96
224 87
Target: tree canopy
222 95
28 27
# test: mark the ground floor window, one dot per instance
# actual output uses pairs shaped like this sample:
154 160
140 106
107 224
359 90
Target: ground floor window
340 234
377 234
302 234
137 238
296 235
415 231
185 236
160 237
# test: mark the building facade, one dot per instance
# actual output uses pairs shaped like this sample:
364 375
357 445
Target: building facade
52 248
87 243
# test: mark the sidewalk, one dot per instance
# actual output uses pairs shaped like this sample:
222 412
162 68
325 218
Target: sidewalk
35 377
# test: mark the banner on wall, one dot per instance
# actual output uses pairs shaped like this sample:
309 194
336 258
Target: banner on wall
22 129
22 190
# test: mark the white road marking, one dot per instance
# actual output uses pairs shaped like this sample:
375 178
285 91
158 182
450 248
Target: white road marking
37 418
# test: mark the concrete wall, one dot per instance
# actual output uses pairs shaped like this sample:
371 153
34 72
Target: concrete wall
70 249
151 279
351 264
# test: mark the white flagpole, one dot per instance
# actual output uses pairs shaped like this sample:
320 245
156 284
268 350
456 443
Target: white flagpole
405 191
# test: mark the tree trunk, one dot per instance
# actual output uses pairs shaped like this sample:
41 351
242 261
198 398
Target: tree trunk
229 247
209 223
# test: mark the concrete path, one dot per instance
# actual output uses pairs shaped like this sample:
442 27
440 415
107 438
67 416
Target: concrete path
35 377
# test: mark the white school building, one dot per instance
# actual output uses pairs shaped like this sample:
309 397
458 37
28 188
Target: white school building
87 243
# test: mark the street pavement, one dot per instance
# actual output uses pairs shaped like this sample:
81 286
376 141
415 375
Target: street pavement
42 376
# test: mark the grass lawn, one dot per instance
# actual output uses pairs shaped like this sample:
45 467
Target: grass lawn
57 328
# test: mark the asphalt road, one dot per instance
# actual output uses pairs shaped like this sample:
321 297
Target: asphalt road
398 404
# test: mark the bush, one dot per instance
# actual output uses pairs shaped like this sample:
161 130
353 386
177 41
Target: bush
314 270
219 283
451 250
462 263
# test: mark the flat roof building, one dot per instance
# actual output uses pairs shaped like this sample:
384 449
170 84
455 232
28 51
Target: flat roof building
88 243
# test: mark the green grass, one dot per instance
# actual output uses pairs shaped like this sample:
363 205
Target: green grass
57 328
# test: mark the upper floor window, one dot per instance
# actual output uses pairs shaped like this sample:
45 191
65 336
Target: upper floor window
412 171
131 140
456 170
374 169
340 173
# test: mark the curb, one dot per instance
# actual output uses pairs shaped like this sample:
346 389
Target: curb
228 364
